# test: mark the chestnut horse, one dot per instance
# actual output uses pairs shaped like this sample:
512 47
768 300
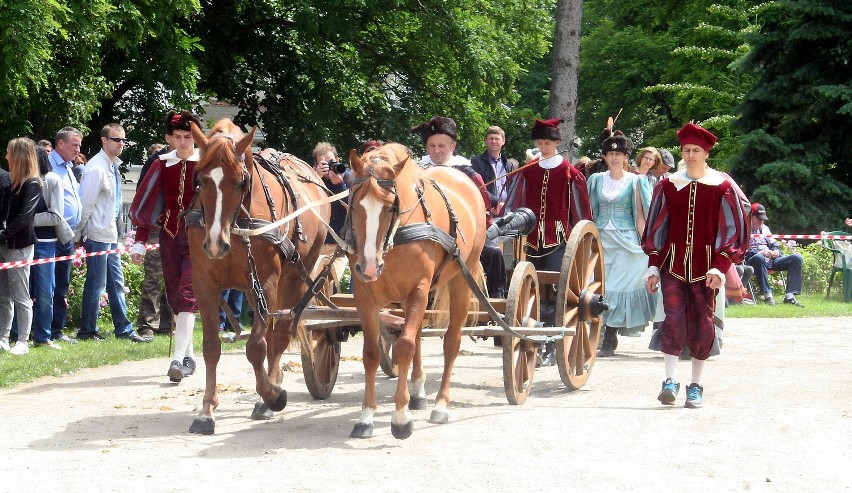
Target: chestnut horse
391 197
235 190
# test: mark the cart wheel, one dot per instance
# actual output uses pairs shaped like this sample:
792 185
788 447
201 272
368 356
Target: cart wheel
320 348
387 360
320 360
518 354
581 286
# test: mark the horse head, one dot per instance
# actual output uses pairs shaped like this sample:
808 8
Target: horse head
374 205
222 181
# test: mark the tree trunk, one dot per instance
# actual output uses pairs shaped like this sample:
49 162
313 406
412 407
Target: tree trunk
566 68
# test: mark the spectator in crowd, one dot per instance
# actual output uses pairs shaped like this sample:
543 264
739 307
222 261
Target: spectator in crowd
46 145
336 178
439 137
68 141
619 202
494 168
695 230
165 192
764 254
16 243
80 161
371 144
155 316
100 196
556 192
648 159
234 299
51 230
662 169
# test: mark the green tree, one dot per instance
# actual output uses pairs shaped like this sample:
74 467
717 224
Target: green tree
662 64
88 62
349 70
797 142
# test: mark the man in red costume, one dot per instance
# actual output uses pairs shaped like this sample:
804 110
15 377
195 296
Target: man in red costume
164 194
696 229
556 192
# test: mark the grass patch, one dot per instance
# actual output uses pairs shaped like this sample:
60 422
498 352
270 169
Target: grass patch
815 306
42 361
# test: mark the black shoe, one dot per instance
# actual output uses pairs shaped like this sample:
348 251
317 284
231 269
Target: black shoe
90 337
770 300
177 371
189 364
134 337
64 338
793 301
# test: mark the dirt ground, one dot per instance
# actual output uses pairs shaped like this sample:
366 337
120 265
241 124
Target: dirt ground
778 418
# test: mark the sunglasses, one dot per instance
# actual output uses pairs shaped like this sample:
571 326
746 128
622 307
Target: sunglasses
118 139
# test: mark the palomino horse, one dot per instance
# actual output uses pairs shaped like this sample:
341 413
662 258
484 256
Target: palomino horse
391 198
235 190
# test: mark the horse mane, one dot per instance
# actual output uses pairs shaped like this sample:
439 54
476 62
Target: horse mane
220 146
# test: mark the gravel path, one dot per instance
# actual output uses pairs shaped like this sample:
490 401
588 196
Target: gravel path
778 417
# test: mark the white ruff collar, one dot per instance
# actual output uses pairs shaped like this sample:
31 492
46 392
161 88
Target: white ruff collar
712 178
171 159
551 162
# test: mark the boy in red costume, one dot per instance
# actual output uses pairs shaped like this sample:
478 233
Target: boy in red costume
556 192
164 194
696 228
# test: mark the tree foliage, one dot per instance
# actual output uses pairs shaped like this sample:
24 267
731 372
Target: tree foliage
348 70
662 64
795 151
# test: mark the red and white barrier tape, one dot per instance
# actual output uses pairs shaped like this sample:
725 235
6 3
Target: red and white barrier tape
37 261
805 237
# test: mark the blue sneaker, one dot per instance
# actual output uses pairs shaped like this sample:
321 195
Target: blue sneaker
694 396
669 393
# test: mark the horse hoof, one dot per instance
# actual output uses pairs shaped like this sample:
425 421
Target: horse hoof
401 432
261 411
281 402
439 417
203 425
363 430
417 403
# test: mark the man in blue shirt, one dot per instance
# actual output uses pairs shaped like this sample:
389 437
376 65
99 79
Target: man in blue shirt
67 147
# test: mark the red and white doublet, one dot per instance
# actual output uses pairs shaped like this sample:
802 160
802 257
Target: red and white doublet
556 192
695 228
163 195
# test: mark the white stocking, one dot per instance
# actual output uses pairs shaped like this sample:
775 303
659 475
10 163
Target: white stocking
697 369
184 323
671 365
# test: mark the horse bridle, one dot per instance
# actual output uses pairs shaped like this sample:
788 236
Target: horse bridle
386 184
246 182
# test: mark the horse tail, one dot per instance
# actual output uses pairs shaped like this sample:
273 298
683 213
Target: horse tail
440 319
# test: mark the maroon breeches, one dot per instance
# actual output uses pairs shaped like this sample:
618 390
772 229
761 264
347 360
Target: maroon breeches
177 272
689 317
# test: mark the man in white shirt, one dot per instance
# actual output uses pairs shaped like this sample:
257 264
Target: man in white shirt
100 197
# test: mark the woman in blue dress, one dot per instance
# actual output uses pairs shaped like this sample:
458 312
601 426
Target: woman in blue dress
620 202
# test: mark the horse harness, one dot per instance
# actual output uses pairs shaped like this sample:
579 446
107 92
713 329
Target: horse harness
410 233
286 245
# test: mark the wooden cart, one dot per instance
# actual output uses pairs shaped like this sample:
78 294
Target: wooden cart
578 289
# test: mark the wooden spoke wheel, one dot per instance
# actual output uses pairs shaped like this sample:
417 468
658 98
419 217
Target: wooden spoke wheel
320 348
518 354
579 298
320 360
388 359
